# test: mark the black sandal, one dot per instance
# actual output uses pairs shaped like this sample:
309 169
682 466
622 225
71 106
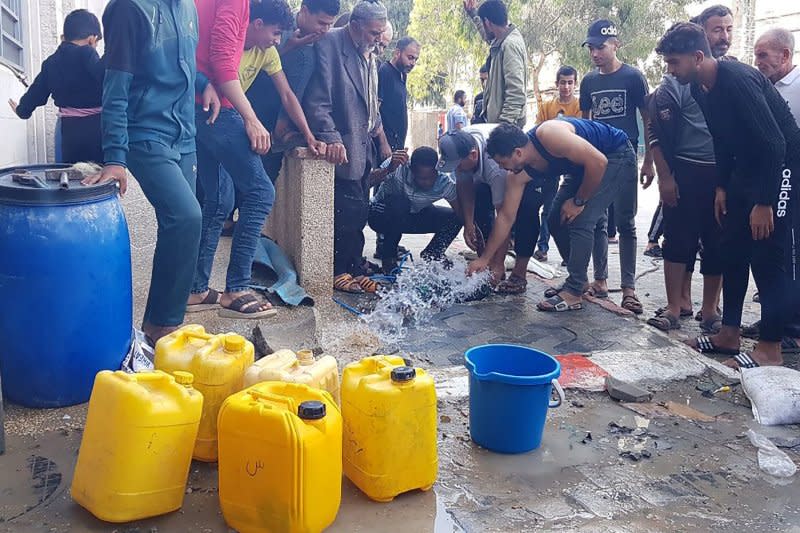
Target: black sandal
704 344
553 291
684 312
248 306
632 304
745 361
664 322
512 285
558 305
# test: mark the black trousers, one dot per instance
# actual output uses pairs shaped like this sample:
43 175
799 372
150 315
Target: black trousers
351 209
527 223
791 176
692 220
766 258
484 209
656 225
81 139
392 218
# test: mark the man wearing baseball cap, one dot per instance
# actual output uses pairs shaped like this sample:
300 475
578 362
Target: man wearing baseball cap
612 94
464 154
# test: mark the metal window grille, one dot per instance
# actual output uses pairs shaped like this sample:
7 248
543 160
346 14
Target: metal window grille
11 47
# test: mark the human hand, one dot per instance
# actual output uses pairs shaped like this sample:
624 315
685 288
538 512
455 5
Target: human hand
13 104
647 174
210 101
478 265
470 6
336 154
316 147
668 189
761 222
298 41
720 205
399 158
259 136
110 173
570 211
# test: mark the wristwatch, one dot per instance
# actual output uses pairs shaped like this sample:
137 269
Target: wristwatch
578 202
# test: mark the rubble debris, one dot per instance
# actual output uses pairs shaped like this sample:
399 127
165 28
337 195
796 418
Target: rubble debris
626 392
260 343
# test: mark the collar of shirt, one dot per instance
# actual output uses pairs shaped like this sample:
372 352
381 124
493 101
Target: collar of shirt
790 78
401 74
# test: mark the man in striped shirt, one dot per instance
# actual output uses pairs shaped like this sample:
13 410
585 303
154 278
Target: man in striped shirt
405 203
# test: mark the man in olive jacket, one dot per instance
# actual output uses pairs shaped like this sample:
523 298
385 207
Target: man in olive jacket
505 95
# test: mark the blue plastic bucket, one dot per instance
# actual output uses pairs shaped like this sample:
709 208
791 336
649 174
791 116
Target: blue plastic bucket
509 395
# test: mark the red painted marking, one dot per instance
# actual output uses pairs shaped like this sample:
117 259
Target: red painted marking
579 372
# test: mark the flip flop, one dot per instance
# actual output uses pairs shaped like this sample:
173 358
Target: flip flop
211 301
664 322
240 308
704 344
553 291
745 361
684 312
346 283
558 305
367 285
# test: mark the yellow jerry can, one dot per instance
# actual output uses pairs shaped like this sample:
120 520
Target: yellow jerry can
137 445
303 367
389 412
280 459
218 368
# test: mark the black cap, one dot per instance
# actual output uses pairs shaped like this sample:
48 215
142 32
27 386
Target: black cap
403 373
599 32
311 410
453 148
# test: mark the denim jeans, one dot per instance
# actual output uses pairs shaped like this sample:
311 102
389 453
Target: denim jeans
548 195
167 179
226 164
580 233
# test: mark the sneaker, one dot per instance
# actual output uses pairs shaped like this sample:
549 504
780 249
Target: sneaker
655 252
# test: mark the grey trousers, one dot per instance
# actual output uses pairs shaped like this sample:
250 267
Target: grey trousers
582 237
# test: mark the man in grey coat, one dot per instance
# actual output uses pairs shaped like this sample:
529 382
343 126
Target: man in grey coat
342 107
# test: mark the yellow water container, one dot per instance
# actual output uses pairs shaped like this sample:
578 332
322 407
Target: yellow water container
280 459
218 367
303 367
137 445
389 412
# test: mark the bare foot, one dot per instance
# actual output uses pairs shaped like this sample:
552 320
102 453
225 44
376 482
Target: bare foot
196 298
727 340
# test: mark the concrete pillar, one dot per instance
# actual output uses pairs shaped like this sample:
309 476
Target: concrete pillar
301 221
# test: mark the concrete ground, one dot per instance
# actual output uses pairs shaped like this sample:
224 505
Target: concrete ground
678 463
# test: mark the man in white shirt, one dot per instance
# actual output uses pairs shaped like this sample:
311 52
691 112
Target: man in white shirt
456 116
774 52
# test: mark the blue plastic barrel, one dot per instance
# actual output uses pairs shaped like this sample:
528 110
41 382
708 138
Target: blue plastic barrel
65 278
509 395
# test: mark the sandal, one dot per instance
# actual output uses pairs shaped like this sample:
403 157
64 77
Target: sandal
789 346
211 301
699 315
595 293
367 285
664 322
654 252
712 325
248 306
513 285
753 331
632 304
704 344
557 304
744 361
553 291
346 283
684 312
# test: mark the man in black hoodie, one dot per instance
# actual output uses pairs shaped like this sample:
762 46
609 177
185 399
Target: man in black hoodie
74 76
757 150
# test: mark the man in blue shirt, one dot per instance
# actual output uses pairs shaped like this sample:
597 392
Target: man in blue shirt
405 204
392 91
456 116
593 158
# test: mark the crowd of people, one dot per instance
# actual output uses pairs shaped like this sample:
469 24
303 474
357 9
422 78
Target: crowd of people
200 102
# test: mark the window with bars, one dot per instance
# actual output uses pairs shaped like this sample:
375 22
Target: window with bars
11 48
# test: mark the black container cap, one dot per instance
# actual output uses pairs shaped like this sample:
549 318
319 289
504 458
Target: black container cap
403 373
49 185
311 410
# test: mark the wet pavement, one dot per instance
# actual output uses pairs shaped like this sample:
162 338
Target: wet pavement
602 466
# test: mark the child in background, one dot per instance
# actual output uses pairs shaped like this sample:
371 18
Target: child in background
74 76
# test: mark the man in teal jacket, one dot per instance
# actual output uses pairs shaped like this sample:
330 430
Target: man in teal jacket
149 129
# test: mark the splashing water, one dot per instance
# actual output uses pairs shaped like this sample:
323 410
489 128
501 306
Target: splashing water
422 290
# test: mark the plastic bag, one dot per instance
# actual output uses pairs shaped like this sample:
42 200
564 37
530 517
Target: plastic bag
771 460
774 392
140 355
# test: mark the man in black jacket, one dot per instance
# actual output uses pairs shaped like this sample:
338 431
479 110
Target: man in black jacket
757 150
